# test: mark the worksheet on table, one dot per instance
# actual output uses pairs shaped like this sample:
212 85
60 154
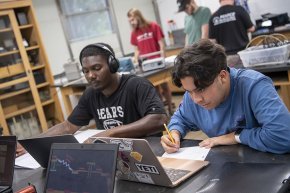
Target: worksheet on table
192 153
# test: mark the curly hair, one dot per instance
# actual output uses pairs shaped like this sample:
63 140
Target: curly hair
202 61
94 50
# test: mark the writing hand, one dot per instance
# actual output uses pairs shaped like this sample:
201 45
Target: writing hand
167 144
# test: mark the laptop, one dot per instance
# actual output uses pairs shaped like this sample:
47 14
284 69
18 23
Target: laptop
137 162
248 177
88 168
7 160
39 148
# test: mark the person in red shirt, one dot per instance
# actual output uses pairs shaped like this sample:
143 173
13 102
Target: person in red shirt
147 37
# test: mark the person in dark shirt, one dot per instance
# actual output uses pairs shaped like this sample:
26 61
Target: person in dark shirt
229 27
122 105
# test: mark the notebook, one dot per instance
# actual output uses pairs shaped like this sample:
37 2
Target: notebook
39 148
88 168
137 162
248 177
7 160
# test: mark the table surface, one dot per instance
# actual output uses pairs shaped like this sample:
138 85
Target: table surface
272 68
217 157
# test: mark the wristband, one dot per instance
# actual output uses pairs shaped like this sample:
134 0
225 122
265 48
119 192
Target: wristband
237 135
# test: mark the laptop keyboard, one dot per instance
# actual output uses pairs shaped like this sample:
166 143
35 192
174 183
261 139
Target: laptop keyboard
175 174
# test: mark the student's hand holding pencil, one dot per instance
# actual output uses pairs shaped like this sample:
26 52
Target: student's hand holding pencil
171 141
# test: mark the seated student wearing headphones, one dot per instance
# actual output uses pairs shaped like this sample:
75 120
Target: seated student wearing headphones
122 105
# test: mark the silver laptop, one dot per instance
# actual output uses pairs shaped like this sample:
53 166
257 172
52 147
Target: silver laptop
137 162
87 168
7 161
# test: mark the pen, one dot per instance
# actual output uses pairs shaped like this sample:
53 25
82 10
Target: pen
171 138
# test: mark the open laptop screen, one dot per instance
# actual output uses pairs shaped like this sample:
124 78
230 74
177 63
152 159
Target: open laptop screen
7 158
84 169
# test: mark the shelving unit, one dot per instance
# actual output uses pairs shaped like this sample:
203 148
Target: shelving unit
28 102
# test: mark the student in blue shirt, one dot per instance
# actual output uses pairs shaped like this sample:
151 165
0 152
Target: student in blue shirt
229 105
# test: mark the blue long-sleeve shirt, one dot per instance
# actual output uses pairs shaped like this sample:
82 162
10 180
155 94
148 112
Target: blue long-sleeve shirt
253 104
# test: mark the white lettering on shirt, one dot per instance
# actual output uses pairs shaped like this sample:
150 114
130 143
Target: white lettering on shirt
120 111
110 112
110 115
145 36
225 18
114 111
101 113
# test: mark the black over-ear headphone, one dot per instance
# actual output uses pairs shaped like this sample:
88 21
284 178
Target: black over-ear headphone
113 62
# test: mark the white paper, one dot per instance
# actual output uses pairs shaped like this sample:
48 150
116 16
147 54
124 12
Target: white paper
191 153
26 161
81 136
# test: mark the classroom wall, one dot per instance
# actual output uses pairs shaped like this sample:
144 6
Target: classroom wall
121 8
259 7
54 38
52 34
57 48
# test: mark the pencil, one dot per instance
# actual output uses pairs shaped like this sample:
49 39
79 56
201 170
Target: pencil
167 130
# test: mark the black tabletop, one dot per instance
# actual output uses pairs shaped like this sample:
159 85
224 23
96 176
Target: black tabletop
272 68
217 157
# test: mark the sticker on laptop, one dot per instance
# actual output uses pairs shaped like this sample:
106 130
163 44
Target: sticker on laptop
147 168
123 157
124 167
131 176
145 178
124 144
136 155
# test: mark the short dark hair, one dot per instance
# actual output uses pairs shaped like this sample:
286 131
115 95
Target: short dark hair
182 4
202 61
92 50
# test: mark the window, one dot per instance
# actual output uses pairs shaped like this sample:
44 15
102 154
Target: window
85 19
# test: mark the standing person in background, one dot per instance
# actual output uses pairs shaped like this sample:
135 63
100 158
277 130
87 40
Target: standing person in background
147 37
229 26
196 21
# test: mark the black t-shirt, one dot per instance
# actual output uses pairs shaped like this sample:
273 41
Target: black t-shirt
135 98
229 25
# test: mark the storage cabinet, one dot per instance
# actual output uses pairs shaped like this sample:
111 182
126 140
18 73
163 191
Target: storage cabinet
28 102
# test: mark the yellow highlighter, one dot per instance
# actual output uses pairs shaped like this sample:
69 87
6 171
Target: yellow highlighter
167 130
